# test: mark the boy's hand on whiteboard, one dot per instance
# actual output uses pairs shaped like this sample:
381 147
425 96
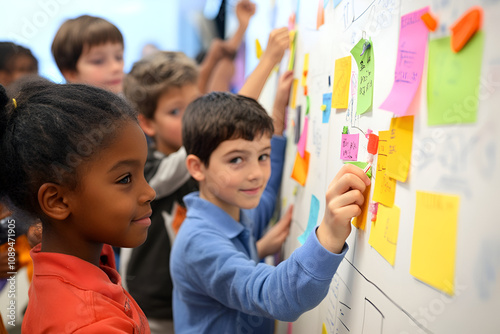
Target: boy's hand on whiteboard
281 101
344 199
278 42
272 241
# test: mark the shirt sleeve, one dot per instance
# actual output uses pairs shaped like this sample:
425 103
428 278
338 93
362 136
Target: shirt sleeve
263 213
168 174
216 269
114 325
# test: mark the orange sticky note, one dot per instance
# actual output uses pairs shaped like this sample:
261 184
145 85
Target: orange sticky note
465 27
305 69
321 15
300 168
430 21
360 221
385 186
400 144
341 81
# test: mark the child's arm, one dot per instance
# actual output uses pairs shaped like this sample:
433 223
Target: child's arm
276 46
344 198
281 101
244 11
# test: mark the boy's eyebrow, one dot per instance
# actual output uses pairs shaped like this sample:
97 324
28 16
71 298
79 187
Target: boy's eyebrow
124 163
245 151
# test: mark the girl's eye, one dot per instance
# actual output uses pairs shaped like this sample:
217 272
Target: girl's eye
125 180
236 160
264 157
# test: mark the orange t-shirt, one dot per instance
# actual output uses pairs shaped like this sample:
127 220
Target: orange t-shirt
70 295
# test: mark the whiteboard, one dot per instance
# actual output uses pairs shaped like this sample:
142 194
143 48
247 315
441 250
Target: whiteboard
367 294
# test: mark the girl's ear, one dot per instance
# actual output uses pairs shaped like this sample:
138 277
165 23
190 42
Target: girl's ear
195 167
52 200
147 125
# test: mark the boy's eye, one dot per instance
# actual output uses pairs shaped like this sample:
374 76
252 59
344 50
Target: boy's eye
97 61
174 112
125 180
264 157
237 160
119 57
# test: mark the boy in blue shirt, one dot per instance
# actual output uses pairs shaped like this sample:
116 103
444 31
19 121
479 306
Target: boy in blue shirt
219 284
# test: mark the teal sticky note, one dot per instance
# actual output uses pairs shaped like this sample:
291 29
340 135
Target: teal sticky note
312 221
327 101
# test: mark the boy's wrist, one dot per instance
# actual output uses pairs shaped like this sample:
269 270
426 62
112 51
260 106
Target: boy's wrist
327 240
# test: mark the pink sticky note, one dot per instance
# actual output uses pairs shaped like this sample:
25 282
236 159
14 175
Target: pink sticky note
349 149
412 47
301 145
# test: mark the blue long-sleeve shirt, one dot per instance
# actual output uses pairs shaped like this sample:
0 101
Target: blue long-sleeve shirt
219 284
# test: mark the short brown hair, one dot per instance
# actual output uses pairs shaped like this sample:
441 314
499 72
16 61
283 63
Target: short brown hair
154 75
219 116
75 34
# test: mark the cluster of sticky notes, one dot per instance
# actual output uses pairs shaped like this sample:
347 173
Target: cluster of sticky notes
434 240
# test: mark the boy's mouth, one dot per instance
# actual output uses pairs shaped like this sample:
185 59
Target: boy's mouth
251 191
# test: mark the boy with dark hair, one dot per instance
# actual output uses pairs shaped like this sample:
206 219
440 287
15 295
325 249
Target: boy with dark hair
219 284
89 50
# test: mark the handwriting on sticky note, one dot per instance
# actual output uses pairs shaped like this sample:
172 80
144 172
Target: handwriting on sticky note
400 144
349 147
412 47
385 186
365 61
341 80
384 232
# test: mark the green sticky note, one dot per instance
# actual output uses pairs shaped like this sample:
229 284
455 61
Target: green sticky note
453 81
308 104
366 67
361 165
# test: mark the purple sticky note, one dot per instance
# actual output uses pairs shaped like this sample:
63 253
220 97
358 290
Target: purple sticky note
412 47
301 145
349 147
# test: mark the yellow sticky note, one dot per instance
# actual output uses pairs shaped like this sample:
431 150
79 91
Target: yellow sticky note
435 239
384 232
360 221
295 83
305 69
400 143
291 60
341 80
300 168
258 49
323 330
385 186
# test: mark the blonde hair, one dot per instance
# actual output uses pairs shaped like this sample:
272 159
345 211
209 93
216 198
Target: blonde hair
154 75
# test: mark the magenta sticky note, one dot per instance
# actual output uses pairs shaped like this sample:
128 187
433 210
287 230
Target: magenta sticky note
349 149
301 145
412 47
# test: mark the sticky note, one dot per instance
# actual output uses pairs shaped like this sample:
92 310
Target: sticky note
412 47
301 168
452 93
327 102
320 20
323 329
305 69
336 3
341 79
301 145
372 143
349 147
291 60
308 104
384 232
362 165
366 66
360 221
400 144
312 220
297 123
258 49
430 21
295 84
465 27
385 186
433 253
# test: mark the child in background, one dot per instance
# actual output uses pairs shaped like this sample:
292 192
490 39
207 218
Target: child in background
160 87
219 284
89 50
74 155
15 62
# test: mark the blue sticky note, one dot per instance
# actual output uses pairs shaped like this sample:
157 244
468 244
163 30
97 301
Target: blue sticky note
327 101
336 3
325 2
313 219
